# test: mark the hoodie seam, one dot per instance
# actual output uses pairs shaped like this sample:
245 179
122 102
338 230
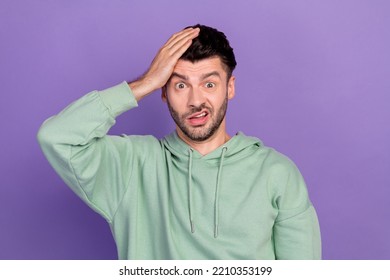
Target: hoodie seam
82 188
293 216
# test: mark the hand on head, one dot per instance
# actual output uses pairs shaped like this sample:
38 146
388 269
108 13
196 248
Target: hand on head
163 63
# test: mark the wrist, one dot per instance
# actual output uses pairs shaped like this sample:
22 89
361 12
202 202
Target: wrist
140 88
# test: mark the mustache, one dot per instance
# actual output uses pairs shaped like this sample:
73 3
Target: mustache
197 109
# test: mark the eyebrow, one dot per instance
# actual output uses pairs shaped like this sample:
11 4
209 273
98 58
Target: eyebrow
183 77
214 73
204 76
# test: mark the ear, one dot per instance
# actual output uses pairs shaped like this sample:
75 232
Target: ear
164 93
231 87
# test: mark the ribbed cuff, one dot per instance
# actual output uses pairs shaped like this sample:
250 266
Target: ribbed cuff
118 99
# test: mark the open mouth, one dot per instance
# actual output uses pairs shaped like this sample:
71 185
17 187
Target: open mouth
199 118
201 115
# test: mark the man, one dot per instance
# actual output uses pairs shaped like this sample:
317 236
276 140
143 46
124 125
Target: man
198 193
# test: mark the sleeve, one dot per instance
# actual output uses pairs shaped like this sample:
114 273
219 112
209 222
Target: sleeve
95 166
296 231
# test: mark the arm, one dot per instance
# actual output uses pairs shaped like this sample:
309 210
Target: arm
97 167
75 144
296 229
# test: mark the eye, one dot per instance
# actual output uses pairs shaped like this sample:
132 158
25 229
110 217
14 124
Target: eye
210 85
180 85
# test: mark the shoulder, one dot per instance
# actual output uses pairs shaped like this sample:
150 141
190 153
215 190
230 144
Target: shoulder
269 156
277 161
286 184
273 164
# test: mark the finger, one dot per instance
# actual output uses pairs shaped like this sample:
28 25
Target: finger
183 37
176 35
182 42
181 49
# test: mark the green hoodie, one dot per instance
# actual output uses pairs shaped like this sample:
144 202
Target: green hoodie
164 200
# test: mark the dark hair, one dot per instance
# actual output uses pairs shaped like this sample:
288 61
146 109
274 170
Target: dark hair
211 42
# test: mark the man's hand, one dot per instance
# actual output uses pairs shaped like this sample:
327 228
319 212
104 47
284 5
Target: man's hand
163 64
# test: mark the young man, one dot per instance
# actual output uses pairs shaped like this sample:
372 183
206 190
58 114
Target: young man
198 193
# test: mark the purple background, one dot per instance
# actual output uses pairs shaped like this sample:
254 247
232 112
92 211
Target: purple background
312 81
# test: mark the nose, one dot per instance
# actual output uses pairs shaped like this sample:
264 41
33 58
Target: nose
196 97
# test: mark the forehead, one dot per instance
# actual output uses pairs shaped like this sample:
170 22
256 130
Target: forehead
199 68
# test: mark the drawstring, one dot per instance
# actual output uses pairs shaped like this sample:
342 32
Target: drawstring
190 191
217 187
216 202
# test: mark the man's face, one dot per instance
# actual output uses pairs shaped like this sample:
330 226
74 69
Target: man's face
197 95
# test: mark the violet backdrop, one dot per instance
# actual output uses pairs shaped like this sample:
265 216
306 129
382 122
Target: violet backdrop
312 81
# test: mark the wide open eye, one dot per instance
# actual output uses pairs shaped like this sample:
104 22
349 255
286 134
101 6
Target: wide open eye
210 85
180 86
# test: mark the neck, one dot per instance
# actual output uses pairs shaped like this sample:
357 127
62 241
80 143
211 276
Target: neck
219 138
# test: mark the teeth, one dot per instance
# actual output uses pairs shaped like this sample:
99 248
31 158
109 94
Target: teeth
201 115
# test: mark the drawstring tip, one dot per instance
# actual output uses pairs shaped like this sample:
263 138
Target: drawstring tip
192 227
215 231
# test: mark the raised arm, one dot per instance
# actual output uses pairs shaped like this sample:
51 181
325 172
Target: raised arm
97 167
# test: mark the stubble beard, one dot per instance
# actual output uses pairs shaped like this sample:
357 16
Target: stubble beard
202 132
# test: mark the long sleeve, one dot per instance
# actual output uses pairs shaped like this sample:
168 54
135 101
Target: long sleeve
95 166
296 230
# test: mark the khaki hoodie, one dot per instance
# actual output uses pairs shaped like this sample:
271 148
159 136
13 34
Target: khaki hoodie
164 200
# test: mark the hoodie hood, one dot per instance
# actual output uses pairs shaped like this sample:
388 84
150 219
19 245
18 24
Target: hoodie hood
236 148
